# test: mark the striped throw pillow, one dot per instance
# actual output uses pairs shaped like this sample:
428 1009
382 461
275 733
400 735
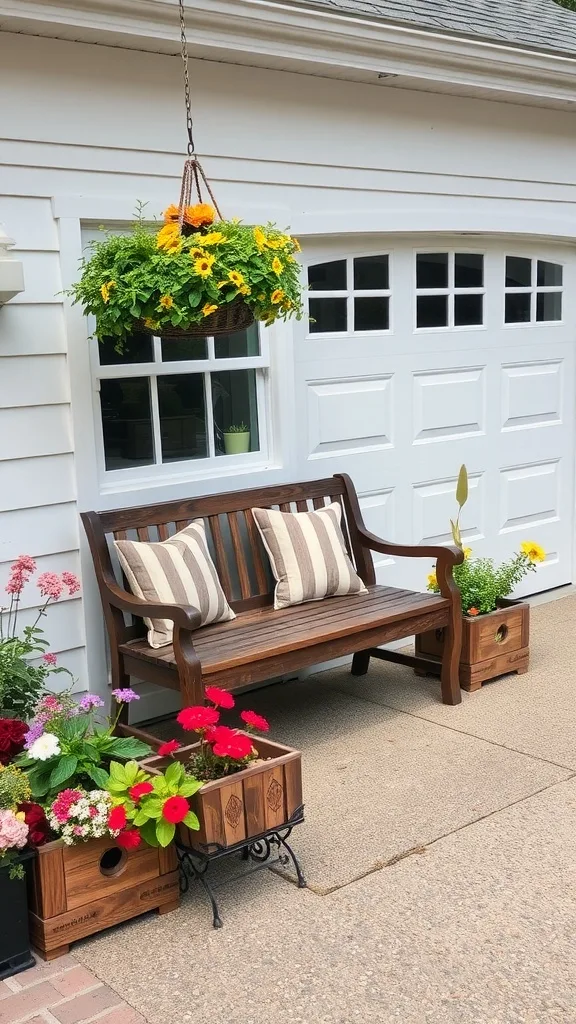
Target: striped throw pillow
175 571
307 554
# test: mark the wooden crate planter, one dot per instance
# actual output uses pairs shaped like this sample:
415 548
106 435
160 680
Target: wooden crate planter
78 890
492 645
259 799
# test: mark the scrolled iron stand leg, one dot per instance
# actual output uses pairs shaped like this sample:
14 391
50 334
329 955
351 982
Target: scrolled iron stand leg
189 867
284 858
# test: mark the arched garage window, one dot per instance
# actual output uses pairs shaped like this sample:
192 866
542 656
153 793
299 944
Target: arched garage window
350 296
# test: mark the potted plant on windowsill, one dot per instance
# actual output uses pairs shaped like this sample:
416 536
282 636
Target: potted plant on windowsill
236 439
194 276
496 630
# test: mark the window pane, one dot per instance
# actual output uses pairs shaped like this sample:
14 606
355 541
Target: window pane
518 272
518 308
468 270
174 349
432 270
235 404
182 417
327 315
242 343
432 311
328 277
371 272
126 422
549 306
468 310
137 349
371 314
549 273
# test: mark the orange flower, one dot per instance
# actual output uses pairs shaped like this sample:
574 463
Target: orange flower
200 214
171 214
473 611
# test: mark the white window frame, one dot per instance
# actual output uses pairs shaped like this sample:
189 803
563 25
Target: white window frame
534 290
451 291
350 293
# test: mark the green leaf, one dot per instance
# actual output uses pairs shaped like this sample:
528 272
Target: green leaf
141 817
131 771
174 773
189 787
63 770
456 533
73 727
148 833
462 487
127 747
98 775
191 820
117 773
153 806
165 831
116 788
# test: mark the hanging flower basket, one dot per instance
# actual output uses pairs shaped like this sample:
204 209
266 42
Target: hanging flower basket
194 276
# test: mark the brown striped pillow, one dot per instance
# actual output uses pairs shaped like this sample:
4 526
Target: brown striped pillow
307 554
175 571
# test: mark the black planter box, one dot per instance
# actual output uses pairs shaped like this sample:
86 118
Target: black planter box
15 955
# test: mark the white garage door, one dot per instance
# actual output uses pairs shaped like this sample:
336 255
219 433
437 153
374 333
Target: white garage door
423 354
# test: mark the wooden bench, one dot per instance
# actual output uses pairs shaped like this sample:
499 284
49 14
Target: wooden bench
262 643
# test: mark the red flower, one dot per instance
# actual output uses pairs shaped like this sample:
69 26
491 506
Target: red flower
230 743
175 809
140 789
196 719
256 721
35 818
12 733
129 839
473 611
117 818
221 698
168 748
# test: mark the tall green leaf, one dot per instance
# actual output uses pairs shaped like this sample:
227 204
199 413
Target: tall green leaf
64 770
462 487
98 775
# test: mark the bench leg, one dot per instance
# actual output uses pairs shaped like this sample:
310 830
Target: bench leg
450 675
360 663
189 668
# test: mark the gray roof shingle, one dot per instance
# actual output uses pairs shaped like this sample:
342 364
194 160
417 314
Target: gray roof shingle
535 24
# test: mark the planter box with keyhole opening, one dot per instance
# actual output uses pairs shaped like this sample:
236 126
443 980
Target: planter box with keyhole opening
492 645
76 891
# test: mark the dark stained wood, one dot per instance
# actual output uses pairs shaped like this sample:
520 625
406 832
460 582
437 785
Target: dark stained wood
262 643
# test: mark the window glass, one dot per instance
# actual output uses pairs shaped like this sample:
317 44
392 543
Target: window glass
549 306
468 310
371 314
235 404
241 343
327 315
328 277
371 272
518 308
126 422
549 273
182 416
138 349
179 349
468 270
432 270
432 311
518 272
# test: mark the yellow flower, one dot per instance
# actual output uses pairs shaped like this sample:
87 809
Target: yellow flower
261 297
277 266
150 323
20 815
166 301
533 551
467 552
196 253
277 296
105 290
275 243
236 278
208 309
214 238
244 290
296 244
203 266
222 284
169 237
259 238
432 581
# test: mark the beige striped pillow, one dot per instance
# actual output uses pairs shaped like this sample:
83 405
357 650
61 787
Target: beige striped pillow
307 554
175 571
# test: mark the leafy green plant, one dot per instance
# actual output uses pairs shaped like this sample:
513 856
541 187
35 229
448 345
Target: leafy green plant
570 4
237 428
154 804
179 276
481 583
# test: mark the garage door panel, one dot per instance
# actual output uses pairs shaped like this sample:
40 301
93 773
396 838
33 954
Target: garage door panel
448 404
532 394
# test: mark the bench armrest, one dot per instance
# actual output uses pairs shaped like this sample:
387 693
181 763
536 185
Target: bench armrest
449 554
183 616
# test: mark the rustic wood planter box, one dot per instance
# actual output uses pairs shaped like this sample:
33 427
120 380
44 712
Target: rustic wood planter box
492 645
259 799
76 891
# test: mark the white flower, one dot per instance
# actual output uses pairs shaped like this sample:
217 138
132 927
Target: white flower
44 747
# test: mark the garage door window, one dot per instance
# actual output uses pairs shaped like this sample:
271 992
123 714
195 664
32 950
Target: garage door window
533 291
350 296
449 290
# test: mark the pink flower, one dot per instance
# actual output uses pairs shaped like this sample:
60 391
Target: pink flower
13 831
71 582
63 803
20 573
78 830
25 563
49 659
92 811
50 585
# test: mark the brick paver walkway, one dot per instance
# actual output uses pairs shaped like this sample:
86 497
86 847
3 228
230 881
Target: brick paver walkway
62 992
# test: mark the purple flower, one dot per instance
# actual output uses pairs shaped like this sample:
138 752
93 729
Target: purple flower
91 701
124 696
35 730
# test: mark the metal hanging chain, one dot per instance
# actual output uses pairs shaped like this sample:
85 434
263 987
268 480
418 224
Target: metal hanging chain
193 174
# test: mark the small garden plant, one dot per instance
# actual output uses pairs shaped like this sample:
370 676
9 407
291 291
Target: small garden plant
482 583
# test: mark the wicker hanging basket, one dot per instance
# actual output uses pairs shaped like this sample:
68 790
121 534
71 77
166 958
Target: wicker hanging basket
227 319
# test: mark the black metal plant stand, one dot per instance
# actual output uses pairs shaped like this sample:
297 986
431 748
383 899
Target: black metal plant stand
194 863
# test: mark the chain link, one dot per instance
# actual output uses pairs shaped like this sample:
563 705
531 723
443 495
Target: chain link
184 52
